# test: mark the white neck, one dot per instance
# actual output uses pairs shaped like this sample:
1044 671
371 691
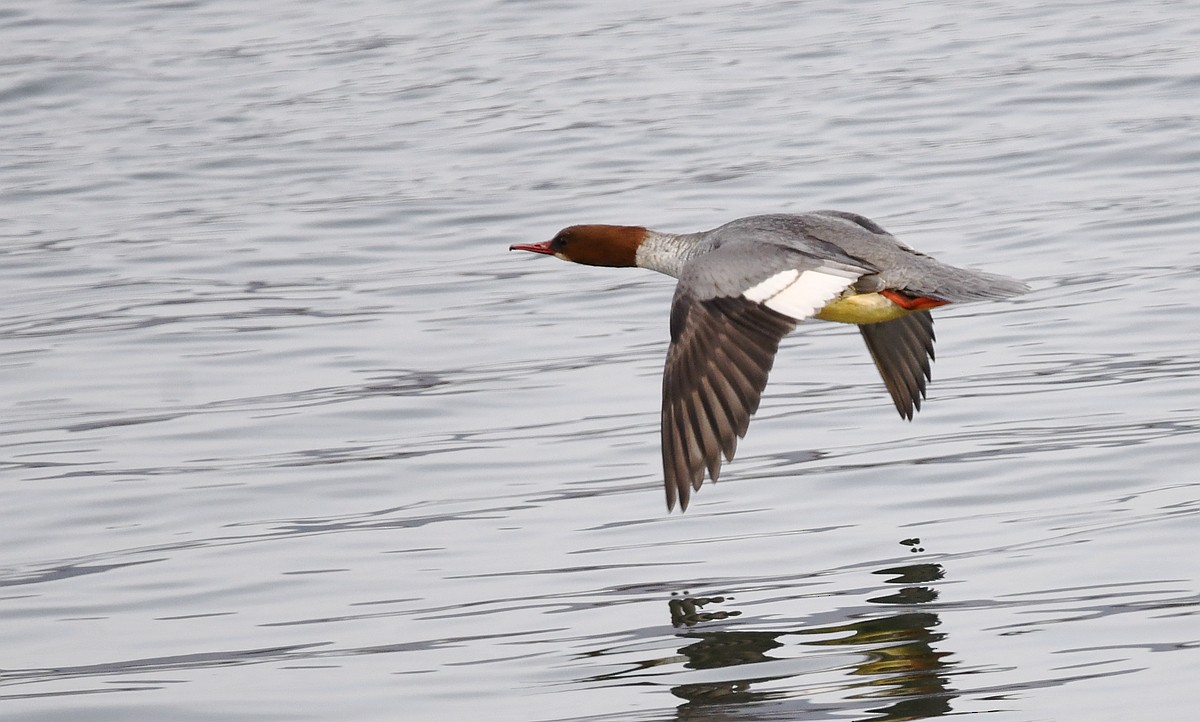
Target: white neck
668 252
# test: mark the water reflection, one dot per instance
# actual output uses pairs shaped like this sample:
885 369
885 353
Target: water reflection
893 657
687 611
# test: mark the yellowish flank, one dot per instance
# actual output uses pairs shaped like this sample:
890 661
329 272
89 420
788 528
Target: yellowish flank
862 308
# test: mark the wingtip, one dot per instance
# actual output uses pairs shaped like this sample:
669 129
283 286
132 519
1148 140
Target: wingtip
672 500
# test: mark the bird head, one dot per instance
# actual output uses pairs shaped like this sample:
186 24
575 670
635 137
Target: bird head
591 245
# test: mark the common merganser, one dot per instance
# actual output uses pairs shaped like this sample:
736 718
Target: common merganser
744 285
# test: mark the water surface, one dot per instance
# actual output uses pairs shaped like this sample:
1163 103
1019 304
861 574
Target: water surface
288 434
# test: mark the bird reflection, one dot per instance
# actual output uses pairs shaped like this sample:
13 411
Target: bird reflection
891 657
687 610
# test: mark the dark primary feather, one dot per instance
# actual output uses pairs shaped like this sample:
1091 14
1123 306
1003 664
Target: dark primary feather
721 352
903 349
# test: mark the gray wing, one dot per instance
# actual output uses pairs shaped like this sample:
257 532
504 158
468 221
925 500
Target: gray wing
721 352
905 268
732 307
903 349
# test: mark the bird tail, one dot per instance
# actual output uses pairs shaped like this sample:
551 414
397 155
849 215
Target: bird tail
963 284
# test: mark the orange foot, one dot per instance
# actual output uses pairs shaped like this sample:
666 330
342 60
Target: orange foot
912 303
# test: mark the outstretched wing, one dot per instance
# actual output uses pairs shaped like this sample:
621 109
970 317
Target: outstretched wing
722 349
903 349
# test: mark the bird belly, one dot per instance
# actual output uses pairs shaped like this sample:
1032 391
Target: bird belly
862 308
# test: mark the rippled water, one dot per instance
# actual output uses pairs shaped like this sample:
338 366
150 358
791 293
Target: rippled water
288 434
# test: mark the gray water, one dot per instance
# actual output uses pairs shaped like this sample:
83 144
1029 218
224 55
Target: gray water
288 434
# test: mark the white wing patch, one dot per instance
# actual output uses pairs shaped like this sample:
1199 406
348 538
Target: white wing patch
769 288
800 294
